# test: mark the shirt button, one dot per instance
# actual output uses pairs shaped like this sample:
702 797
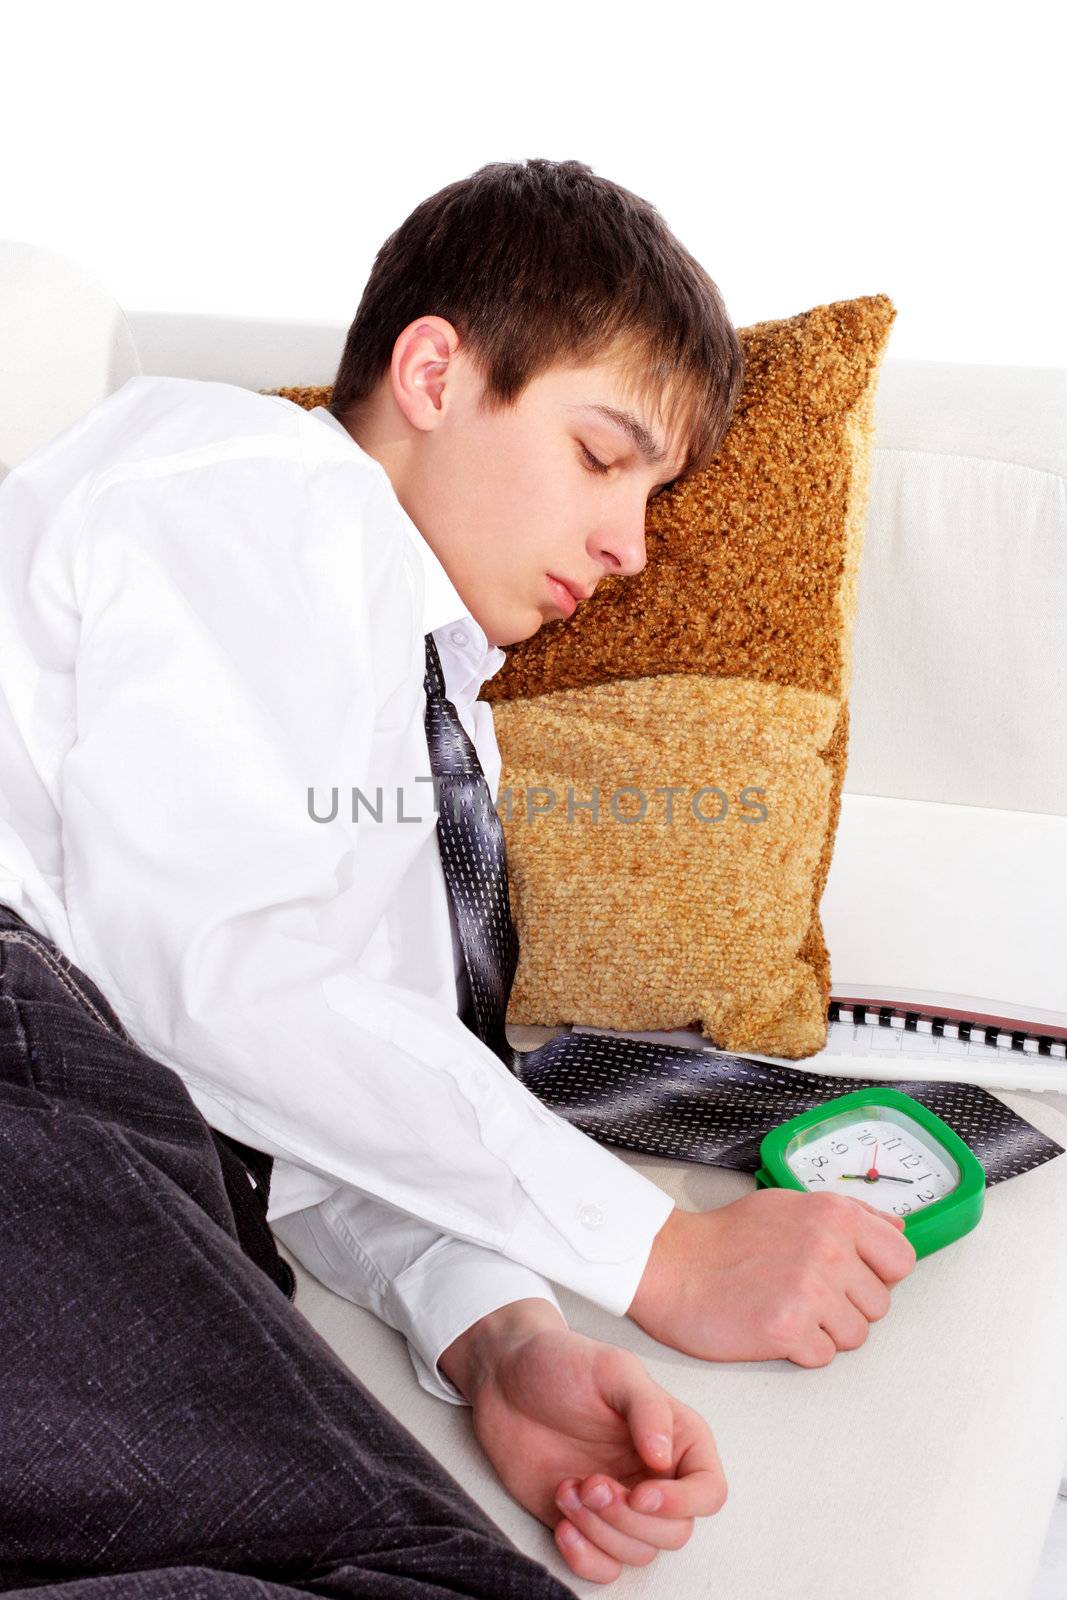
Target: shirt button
459 636
591 1216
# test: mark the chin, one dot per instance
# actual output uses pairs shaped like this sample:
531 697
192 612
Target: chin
513 632
538 622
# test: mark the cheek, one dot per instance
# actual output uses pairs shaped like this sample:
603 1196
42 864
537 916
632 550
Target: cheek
505 492
521 516
537 477
537 538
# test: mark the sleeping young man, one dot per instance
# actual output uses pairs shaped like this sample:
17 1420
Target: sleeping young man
216 608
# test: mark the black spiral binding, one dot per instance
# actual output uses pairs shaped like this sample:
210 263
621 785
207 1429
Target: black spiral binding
999 1038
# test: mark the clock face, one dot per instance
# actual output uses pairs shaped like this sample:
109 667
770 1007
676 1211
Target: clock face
886 1159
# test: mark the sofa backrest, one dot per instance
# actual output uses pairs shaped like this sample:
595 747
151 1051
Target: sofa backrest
959 689
66 346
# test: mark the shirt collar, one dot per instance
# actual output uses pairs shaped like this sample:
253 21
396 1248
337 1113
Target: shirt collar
443 607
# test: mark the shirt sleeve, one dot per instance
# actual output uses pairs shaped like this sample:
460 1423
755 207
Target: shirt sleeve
427 1285
248 633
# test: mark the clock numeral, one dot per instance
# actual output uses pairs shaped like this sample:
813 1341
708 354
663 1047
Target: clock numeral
911 1161
923 1176
819 1161
839 1149
903 1209
891 1144
816 1177
926 1194
866 1138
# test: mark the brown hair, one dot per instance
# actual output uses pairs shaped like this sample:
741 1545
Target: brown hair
541 262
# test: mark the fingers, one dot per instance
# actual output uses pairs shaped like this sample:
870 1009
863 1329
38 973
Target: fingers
890 1254
869 1294
846 1325
582 1557
613 1527
857 1291
617 1526
819 1350
693 1482
696 1485
670 1437
667 1498
876 1211
626 1526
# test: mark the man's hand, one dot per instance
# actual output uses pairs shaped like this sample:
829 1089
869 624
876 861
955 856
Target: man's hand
556 1411
775 1274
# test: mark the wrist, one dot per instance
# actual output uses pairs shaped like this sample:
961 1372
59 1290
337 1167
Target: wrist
469 1360
659 1267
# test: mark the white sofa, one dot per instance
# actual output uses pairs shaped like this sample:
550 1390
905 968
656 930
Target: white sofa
927 1462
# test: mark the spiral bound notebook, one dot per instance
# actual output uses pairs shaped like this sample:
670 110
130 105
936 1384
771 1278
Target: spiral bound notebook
875 1036
922 1035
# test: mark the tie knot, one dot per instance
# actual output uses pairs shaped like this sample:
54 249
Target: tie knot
435 678
452 752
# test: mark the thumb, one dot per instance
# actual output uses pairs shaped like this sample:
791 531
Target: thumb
887 1216
650 1417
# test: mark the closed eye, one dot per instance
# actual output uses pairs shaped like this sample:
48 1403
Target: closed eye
596 465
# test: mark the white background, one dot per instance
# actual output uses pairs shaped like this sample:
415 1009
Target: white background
249 159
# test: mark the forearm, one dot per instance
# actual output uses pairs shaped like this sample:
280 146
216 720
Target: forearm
471 1358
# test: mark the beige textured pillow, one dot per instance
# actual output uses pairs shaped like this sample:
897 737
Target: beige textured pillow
722 669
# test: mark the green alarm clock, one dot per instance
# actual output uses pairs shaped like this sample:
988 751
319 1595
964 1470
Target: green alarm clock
880 1145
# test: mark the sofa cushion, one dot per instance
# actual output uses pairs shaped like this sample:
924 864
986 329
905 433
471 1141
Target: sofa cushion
924 1462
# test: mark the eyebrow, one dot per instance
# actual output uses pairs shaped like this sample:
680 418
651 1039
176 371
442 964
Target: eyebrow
645 441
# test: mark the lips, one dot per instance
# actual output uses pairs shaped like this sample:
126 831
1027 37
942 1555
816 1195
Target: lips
563 596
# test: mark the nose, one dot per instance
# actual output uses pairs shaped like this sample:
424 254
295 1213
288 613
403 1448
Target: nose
620 547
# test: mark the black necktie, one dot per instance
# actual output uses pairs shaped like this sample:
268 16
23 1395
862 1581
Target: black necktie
699 1105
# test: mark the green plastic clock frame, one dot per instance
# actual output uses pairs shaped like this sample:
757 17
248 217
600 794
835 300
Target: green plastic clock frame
935 1225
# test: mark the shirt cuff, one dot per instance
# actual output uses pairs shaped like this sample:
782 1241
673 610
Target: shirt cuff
447 1289
606 1215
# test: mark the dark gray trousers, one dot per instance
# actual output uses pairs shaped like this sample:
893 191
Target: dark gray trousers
170 1424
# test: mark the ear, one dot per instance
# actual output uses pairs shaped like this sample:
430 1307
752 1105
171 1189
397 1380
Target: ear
419 372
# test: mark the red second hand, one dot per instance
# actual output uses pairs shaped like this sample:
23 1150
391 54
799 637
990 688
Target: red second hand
872 1170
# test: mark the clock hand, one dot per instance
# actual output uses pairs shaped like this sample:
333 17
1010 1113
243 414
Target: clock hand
865 1177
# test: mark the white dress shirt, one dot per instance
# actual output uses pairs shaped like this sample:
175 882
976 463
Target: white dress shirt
211 603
